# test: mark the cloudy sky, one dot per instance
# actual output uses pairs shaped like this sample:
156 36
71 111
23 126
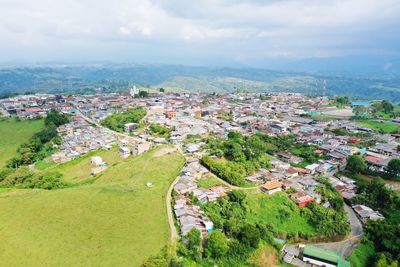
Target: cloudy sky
215 32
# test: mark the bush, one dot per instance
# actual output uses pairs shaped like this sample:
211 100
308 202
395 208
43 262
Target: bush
24 178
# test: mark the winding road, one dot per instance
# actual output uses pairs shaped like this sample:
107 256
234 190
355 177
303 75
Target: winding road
345 247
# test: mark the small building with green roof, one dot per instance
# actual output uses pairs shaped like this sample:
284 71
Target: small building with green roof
321 257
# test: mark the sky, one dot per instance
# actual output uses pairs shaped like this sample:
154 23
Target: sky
209 32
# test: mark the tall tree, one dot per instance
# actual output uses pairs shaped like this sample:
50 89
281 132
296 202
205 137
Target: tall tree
393 168
355 164
217 245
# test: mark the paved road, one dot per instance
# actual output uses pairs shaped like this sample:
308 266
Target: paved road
101 126
345 247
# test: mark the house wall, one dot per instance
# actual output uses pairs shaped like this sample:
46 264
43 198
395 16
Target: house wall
318 263
270 192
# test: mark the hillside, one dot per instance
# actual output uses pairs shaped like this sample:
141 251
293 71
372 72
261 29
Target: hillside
115 221
118 77
13 133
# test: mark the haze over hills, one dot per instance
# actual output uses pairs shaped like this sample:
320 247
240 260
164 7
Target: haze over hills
376 78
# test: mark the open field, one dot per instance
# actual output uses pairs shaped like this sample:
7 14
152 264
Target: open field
385 127
115 221
268 209
13 133
337 112
79 170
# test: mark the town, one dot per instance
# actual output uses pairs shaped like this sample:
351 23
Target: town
323 138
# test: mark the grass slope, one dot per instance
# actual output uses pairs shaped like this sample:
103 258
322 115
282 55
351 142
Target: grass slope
385 127
268 209
13 133
79 169
116 221
208 182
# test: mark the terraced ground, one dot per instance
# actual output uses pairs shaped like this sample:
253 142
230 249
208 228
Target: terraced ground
112 220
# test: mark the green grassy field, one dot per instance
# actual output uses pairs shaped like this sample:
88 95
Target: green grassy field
268 209
79 169
13 133
208 182
385 127
115 221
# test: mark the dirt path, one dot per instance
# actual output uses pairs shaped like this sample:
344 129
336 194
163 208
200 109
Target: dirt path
170 214
174 233
233 187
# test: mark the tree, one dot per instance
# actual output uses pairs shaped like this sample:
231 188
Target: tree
249 235
342 100
393 168
237 196
355 164
387 106
55 118
217 245
162 90
381 261
143 94
194 240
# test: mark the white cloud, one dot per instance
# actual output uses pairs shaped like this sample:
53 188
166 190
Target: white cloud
231 29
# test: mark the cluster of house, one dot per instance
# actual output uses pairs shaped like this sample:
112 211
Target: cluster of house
79 138
33 106
188 215
133 146
345 186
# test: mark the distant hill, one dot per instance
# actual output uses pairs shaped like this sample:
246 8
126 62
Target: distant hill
118 77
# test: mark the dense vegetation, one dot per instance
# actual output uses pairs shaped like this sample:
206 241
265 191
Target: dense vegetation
239 155
306 152
341 101
160 130
384 109
117 121
314 220
384 235
40 145
25 178
234 242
